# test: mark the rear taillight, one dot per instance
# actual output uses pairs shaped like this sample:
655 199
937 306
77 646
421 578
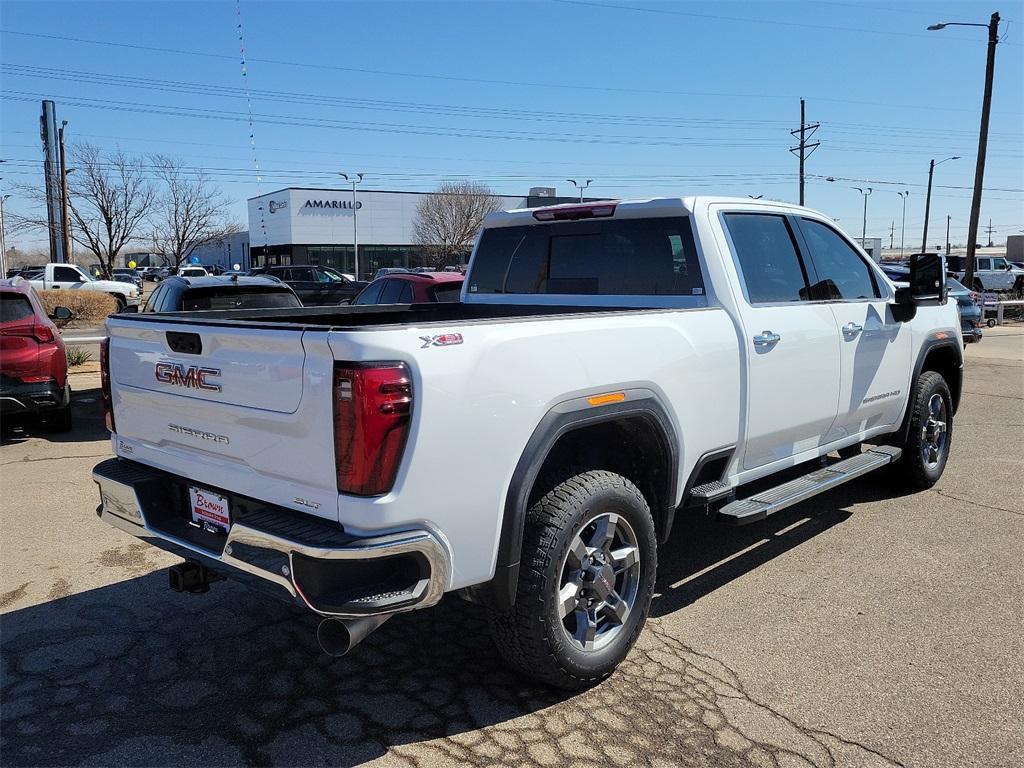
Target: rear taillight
108 404
41 333
372 403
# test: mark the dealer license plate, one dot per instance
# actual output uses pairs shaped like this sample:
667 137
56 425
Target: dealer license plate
209 510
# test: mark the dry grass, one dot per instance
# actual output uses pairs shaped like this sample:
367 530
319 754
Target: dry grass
86 306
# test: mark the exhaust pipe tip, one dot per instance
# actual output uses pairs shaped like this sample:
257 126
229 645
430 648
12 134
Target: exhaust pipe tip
337 637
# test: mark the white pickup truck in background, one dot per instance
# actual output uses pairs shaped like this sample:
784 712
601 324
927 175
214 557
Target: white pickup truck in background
611 366
69 277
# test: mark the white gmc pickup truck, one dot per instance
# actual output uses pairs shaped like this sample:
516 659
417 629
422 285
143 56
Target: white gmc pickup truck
610 366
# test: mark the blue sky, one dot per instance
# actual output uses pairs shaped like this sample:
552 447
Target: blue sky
646 99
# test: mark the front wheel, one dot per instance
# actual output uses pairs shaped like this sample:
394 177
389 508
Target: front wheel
931 432
586 578
121 301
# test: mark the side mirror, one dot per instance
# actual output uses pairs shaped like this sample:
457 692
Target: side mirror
927 279
61 313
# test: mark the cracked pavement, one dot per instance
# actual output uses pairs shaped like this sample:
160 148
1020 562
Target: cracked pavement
861 628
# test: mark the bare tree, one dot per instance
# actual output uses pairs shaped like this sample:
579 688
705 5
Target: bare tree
448 220
109 199
189 212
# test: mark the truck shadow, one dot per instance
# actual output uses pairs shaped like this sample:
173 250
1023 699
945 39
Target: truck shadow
87 413
134 673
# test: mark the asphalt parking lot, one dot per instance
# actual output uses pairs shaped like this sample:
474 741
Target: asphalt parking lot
858 629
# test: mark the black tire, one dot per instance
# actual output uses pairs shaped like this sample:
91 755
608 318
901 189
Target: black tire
914 469
122 302
991 322
59 419
532 635
978 287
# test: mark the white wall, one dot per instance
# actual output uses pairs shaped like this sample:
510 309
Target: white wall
324 217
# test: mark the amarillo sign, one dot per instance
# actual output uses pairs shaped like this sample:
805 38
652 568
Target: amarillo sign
345 205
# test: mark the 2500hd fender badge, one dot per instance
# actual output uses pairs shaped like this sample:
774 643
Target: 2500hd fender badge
189 376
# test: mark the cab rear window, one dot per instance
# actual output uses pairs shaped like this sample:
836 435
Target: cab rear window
251 298
629 257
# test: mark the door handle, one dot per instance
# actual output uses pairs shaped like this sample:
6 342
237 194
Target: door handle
852 329
766 339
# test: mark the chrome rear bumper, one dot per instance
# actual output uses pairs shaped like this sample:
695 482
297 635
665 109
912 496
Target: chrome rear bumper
316 567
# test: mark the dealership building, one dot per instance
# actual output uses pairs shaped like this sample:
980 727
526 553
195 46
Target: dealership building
299 225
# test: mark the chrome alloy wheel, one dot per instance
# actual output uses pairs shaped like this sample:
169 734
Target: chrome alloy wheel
933 432
600 579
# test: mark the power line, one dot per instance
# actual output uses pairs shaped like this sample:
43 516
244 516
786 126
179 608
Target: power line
745 19
805 132
476 80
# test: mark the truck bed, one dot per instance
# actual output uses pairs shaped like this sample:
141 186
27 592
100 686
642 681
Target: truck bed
353 318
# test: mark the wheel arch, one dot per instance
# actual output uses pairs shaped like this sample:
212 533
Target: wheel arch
945 357
592 437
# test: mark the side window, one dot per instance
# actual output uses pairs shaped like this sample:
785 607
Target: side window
984 263
392 290
66 275
768 258
371 293
999 264
154 299
406 297
299 274
842 273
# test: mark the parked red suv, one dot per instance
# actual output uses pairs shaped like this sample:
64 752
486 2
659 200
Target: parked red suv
33 366
412 288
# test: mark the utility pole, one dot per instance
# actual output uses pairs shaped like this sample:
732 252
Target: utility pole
355 228
581 186
65 221
979 168
903 230
990 233
805 132
947 235
892 233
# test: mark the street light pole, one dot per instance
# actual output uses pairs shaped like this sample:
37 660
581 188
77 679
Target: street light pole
947 236
3 239
65 223
864 229
928 200
355 228
979 168
903 229
581 186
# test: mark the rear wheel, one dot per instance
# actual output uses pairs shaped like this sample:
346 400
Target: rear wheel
931 432
585 582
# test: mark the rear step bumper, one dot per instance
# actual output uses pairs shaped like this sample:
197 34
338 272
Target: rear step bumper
760 505
309 562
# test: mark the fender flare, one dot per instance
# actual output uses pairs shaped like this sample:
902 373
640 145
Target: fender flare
929 346
562 419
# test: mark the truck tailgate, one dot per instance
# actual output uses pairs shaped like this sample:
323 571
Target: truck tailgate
235 408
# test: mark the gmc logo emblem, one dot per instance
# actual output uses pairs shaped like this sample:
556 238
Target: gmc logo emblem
189 376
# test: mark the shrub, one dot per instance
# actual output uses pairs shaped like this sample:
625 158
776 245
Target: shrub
77 356
85 306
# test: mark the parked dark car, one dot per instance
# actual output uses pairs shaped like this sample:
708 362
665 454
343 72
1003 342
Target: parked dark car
184 294
412 288
316 286
128 275
33 364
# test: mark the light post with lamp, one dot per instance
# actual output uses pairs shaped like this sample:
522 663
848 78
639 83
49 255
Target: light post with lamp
355 229
903 228
864 228
928 200
581 186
